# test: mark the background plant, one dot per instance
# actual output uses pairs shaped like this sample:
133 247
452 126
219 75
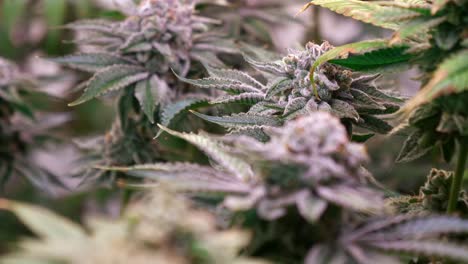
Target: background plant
170 232
23 127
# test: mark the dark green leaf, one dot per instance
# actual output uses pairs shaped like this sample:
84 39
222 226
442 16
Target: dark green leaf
377 59
110 79
411 149
90 62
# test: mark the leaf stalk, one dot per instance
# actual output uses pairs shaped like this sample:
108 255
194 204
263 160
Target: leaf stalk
458 177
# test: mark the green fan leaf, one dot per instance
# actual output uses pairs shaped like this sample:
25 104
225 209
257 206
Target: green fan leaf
364 11
90 62
376 60
146 93
110 79
172 112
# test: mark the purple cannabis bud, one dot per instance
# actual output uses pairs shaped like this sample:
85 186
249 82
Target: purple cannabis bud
308 163
143 49
289 92
138 57
327 169
317 141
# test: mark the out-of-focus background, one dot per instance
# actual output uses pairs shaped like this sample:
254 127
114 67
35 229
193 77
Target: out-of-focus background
30 31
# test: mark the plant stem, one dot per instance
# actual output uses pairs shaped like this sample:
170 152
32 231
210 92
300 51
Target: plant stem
458 177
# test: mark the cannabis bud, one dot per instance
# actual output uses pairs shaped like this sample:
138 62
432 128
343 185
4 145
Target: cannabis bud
324 167
433 196
435 192
139 52
317 141
309 162
289 93
137 55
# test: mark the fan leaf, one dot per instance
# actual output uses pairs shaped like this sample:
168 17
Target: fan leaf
375 60
217 152
110 79
364 11
90 62
173 111
147 97
244 98
241 120
223 84
234 75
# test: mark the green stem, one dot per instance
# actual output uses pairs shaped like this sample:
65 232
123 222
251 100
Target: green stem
458 177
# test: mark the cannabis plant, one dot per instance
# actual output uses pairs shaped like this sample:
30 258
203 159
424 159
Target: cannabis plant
285 181
160 228
433 196
306 179
141 51
137 57
288 92
22 127
431 35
